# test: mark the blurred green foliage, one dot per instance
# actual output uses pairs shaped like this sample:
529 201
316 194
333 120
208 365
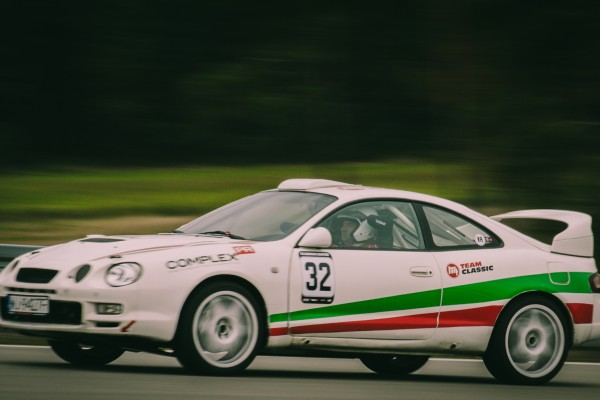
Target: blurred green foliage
89 193
507 89
53 205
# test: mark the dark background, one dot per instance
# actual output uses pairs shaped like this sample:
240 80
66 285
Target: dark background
511 88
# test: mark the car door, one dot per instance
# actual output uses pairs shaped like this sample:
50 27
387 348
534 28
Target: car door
476 269
381 285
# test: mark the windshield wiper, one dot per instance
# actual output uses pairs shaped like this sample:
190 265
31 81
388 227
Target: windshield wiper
223 233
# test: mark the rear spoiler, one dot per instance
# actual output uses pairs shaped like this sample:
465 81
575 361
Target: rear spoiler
577 239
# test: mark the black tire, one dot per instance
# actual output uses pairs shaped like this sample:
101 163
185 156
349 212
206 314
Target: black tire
393 365
220 330
79 354
530 342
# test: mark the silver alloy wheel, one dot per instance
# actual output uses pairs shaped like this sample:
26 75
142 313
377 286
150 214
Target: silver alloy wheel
225 329
535 340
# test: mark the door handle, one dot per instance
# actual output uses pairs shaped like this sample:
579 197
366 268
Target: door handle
422 272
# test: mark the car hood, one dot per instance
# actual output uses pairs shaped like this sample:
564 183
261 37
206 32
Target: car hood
96 247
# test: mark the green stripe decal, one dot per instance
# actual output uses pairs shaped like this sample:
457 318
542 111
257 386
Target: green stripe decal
507 288
394 303
500 289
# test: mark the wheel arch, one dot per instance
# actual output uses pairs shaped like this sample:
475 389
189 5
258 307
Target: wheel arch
237 280
548 296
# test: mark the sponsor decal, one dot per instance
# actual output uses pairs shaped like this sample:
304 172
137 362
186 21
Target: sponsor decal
243 250
481 240
453 270
467 268
201 260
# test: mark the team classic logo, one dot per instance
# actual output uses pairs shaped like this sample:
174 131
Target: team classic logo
467 268
453 270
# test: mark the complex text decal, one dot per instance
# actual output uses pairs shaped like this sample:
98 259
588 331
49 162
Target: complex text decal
201 260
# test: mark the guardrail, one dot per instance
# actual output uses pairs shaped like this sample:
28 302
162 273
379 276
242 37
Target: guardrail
8 252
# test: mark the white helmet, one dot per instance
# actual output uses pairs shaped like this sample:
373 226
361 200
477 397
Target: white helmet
364 231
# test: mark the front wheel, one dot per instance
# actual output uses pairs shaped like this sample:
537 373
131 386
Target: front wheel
80 354
220 330
396 365
530 343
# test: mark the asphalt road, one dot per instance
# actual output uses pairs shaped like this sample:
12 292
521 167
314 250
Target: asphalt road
30 373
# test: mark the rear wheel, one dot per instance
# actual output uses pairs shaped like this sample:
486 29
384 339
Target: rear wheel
397 365
220 330
530 342
80 354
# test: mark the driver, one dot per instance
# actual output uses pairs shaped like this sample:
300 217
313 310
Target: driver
355 230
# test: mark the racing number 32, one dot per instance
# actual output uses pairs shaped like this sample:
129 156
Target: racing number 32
314 284
318 284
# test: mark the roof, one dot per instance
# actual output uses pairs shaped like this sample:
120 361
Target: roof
350 192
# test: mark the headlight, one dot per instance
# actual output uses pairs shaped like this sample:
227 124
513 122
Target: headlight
123 274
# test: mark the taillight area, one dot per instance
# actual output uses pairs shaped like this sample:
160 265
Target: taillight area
595 282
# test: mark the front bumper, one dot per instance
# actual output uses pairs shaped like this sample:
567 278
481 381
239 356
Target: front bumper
76 312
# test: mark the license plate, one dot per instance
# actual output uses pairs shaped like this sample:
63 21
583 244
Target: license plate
36 305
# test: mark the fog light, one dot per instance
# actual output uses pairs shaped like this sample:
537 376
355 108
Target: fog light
109 309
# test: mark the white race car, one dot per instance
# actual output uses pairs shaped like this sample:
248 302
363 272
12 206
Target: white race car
318 268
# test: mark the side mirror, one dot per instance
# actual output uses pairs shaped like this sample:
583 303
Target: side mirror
317 237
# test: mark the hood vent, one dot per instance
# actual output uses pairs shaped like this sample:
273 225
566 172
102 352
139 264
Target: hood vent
36 275
100 240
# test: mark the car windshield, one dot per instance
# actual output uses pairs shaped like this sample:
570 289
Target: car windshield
265 216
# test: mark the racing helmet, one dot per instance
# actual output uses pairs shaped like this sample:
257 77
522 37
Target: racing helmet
363 231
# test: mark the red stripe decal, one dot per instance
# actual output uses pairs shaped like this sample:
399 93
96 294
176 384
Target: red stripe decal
481 316
126 328
140 251
278 331
382 324
582 312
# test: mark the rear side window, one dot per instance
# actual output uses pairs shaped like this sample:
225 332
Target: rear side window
449 230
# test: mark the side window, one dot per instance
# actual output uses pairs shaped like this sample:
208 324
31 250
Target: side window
390 225
450 230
